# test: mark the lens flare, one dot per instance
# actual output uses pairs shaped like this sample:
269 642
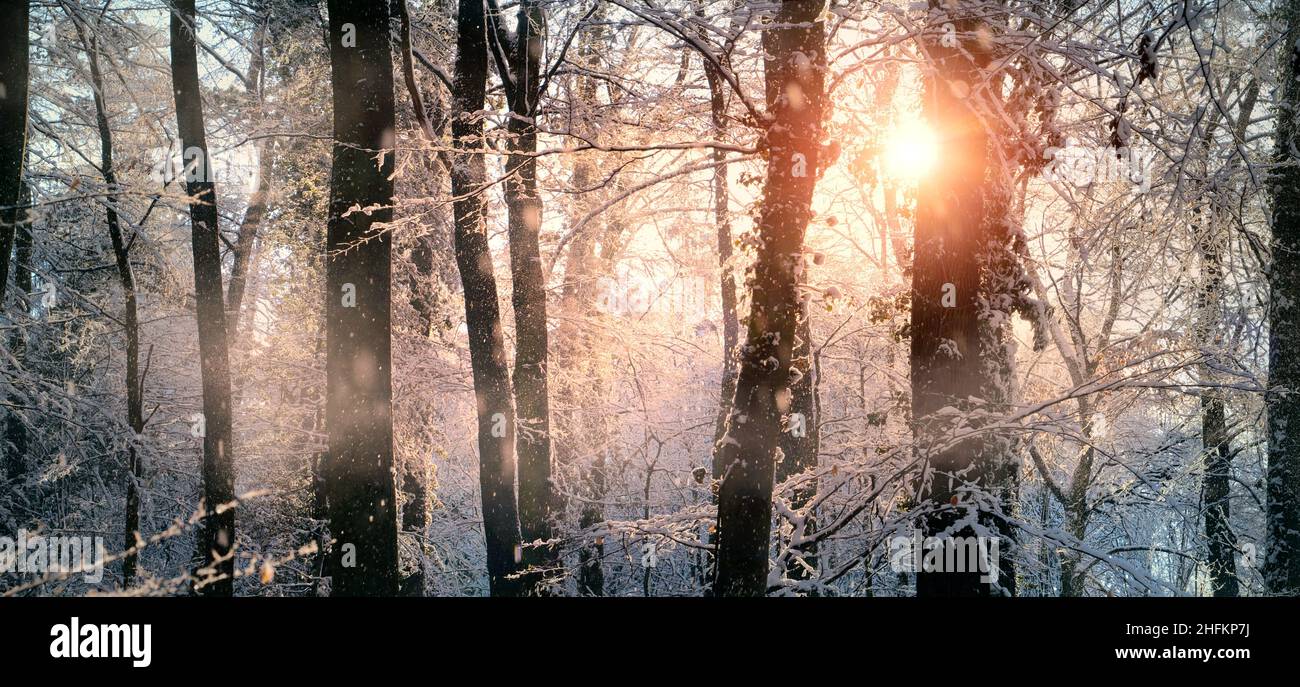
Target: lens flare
911 151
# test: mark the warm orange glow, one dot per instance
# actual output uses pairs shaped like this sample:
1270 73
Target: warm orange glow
911 150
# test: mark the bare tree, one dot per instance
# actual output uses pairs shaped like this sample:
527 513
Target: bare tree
358 329
796 42
130 306
495 411
217 538
1282 565
13 128
522 79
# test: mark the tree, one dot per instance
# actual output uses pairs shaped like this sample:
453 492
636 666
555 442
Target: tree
537 502
217 538
16 434
130 305
359 469
1209 212
1282 564
13 128
720 188
949 337
796 42
495 411
13 152
259 203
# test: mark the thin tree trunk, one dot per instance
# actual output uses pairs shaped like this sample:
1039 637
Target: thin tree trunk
1282 565
358 475
13 152
727 288
537 504
1077 509
248 230
795 77
130 308
496 431
217 538
727 280
13 126
1216 439
1216 490
257 203
1221 547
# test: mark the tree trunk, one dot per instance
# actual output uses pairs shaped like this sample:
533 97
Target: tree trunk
244 245
1216 442
130 308
1216 492
217 538
727 285
537 504
945 327
257 203
359 478
13 127
795 76
1282 565
1216 439
13 152
727 280
1077 509
496 431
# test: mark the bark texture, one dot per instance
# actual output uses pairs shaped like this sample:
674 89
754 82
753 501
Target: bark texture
358 473
217 535
795 74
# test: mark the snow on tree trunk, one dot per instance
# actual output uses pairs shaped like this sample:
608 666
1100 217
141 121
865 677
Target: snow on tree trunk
537 504
496 417
796 45
1282 565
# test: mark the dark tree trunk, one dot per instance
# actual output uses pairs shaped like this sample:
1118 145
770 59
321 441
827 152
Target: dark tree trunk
727 280
13 127
217 536
1216 490
1282 565
537 504
1216 438
721 190
358 473
1216 442
130 308
795 77
13 152
946 341
1078 509
496 430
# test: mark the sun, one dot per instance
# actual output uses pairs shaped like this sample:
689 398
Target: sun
911 150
